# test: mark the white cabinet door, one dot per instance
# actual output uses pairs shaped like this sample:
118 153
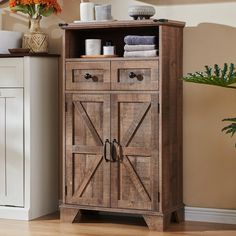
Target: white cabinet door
11 147
11 72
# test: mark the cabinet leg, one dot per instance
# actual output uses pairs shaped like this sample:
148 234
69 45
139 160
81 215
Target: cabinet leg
157 223
161 223
178 215
68 215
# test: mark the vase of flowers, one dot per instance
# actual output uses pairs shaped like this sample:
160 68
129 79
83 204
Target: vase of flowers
35 39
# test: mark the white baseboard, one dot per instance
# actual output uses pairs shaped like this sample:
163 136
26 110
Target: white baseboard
191 214
210 215
14 213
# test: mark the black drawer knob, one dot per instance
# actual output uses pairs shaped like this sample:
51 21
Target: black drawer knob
132 75
88 76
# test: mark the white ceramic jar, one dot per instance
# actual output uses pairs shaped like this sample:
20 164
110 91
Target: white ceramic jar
103 12
86 11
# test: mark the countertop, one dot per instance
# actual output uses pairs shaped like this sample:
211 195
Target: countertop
29 55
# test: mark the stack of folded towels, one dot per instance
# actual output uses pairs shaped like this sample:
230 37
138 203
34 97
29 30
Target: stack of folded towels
140 46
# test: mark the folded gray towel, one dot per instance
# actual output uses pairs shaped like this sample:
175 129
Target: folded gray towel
140 40
150 53
131 48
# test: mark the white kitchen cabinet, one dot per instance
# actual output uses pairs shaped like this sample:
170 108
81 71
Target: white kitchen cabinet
28 136
11 147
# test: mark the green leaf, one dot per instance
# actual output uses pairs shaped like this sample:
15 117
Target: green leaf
217 70
231 70
31 10
47 12
230 119
208 71
224 71
231 128
22 8
219 77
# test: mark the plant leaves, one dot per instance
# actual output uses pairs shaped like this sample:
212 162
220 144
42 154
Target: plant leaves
22 8
231 128
219 77
230 119
208 71
47 12
217 70
224 71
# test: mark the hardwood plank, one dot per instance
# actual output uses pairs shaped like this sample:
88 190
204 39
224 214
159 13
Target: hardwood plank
88 122
106 191
113 209
135 124
134 205
115 167
89 174
68 156
171 161
85 149
155 154
113 59
136 180
122 24
62 125
136 151
107 225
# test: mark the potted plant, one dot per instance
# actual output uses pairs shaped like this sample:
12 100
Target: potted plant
35 40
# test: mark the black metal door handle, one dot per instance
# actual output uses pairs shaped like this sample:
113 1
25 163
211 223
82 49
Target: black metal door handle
105 150
113 150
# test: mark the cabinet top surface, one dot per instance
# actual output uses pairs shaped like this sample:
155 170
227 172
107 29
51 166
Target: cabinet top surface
121 24
28 55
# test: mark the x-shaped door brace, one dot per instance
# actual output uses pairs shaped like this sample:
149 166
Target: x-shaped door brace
98 158
125 142
137 182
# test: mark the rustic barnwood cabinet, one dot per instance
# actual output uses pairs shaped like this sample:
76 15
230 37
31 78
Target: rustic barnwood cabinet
122 124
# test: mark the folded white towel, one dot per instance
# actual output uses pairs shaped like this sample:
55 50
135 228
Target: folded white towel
129 48
150 53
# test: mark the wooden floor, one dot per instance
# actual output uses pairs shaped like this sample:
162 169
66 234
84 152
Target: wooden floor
108 226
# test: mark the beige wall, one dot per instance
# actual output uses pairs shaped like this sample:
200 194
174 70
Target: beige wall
209 156
210 37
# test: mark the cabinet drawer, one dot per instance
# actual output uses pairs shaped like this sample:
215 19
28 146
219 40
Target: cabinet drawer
11 72
88 75
134 75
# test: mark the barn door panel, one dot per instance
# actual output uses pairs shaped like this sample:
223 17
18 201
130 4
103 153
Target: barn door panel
87 128
134 132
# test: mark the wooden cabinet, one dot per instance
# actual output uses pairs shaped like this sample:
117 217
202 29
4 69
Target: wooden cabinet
122 125
28 136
